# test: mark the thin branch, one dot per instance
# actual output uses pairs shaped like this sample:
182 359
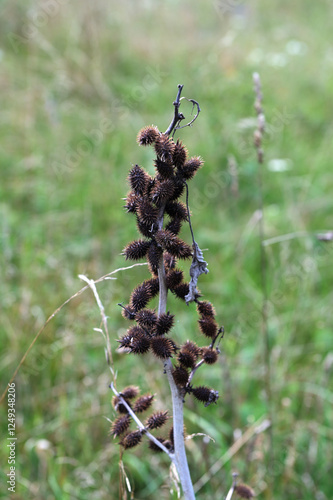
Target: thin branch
140 424
180 459
188 212
195 103
258 134
178 117
230 492
233 486
92 285
326 236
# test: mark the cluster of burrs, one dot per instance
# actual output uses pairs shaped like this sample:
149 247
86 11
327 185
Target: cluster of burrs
155 203
139 405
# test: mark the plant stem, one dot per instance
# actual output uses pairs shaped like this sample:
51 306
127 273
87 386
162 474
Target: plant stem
178 117
180 458
263 265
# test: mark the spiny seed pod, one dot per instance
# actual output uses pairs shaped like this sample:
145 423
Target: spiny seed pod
118 405
153 285
143 403
155 447
191 167
186 359
150 185
145 229
132 439
174 226
135 330
125 341
128 312
156 420
181 290
154 256
205 308
205 395
179 154
146 318
147 214
164 147
140 296
173 278
173 244
120 425
130 392
188 354
140 344
179 186
162 192
209 355
131 202
138 179
164 323
162 347
170 261
208 326
192 348
244 491
164 169
180 376
136 343
176 209
136 249
147 135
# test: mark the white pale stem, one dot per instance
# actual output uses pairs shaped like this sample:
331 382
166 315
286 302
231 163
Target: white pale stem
180 458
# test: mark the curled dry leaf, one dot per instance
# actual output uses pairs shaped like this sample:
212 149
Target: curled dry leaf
198 267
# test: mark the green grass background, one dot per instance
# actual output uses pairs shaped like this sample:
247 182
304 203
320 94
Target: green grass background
78 80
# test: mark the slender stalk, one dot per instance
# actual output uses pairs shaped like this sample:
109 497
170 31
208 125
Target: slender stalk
177 117
263 261
180 458
177 404
233 486
178 434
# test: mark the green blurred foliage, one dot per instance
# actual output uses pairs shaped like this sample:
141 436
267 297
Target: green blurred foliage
78 80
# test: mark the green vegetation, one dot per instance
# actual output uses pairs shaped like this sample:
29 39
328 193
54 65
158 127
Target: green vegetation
78 82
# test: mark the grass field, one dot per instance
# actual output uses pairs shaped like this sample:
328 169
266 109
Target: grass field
78 81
